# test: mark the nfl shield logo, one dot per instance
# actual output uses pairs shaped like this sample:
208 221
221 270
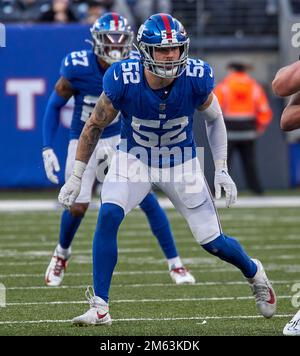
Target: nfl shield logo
162 107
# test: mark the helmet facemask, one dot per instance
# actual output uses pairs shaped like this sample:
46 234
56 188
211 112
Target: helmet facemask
165 69
112 46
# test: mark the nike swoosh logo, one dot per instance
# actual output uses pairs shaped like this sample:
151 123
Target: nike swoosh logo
66 62
101 316
115 76
272 297
211 73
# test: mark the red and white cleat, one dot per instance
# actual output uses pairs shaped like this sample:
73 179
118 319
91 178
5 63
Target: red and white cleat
98 314
263 291
55 272
181 275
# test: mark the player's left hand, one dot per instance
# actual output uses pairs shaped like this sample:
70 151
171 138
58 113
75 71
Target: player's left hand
51 164
69 191
223 180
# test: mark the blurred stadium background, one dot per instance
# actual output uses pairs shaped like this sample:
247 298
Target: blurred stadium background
32 45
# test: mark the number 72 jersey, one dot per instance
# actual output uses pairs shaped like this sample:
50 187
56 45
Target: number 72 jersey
151 121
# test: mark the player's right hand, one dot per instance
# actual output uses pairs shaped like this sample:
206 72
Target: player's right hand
69 191
51 164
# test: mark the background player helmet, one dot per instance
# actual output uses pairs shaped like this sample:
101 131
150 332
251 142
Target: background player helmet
112 37
163 30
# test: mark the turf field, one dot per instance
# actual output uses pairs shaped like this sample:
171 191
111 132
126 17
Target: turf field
144 301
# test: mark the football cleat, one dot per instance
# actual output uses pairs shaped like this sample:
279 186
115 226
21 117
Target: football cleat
181 275
292 328
55 272
97 314
263 292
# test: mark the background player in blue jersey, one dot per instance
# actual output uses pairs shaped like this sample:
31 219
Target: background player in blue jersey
81 77
157 97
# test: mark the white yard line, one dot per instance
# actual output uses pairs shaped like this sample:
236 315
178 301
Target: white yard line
25 275
137 301
243 202
185 240
271 267
195 262
189 318
246 220
14 253
150 285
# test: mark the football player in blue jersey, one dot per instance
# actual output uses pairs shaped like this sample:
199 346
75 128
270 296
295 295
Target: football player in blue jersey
157 96
81 77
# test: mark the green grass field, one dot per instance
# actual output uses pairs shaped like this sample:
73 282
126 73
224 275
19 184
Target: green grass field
144 300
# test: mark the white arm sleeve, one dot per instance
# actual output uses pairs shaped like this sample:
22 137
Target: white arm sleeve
216 133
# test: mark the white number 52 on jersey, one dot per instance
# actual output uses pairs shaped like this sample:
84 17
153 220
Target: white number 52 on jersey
151 139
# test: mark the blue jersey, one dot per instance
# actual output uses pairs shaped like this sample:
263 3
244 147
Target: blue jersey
160 125
85 74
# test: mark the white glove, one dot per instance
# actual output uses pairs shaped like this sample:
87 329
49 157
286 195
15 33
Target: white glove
51 164
223 180
71 189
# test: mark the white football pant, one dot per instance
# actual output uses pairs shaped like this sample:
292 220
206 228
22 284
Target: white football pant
129 181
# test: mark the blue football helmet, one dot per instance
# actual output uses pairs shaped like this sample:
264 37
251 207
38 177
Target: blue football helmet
163 30
112 37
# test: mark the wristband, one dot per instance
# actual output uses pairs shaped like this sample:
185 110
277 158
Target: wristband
78 169
221 164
